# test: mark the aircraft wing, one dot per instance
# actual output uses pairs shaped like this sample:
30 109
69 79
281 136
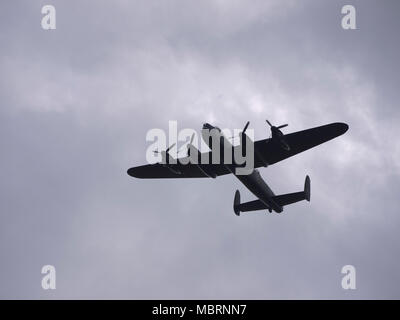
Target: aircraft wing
158 171
298 141
270 151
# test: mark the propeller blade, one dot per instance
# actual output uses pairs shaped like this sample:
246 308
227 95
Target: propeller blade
245 127
171 146
188 145
269 123
282 126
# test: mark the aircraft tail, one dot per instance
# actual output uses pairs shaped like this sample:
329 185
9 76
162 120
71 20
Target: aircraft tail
236 203
246 206
289 198
281 200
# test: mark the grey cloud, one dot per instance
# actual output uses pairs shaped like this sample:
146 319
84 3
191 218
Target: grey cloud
76 104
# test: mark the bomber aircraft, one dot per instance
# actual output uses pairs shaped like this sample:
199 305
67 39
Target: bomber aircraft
266 152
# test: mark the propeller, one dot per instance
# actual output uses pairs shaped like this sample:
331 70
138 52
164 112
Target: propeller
278 127
246 126
243 131
188 146
171 146
166 151
192 138
164 154
278 136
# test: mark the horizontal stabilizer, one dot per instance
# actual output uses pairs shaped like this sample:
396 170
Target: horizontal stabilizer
289 198
247 206
281 200
252 206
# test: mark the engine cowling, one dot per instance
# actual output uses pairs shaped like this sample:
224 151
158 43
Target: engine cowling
278 137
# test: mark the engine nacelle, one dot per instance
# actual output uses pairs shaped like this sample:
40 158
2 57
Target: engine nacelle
193 152
165 157
278 137
171 168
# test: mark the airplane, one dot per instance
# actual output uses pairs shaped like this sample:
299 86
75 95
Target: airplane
266 152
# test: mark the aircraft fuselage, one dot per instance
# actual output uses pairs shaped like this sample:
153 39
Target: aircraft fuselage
253 181
256 184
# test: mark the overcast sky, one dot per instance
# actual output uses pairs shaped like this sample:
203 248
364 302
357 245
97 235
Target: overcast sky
77 102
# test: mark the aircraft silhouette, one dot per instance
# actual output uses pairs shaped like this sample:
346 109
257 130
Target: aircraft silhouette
266 152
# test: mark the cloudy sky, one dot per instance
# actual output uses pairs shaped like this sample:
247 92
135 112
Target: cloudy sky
77 102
